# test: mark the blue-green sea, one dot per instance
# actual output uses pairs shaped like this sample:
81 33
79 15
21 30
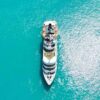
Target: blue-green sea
78 73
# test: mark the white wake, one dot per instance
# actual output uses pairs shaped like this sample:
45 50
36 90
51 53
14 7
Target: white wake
81 53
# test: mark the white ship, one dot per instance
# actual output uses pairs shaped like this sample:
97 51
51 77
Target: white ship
49 67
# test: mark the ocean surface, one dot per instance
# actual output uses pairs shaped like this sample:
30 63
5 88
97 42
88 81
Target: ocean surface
78 74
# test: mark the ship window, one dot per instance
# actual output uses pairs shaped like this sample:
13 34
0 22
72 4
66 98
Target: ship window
48 50
49 65
49 68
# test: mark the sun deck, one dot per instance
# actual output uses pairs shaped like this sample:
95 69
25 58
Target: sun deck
49 55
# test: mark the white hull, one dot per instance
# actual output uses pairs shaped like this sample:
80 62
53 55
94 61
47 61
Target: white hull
46 76
49 81
49 55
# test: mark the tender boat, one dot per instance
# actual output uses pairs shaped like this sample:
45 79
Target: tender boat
50 32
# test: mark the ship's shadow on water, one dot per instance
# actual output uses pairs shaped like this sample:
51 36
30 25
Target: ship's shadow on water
45 85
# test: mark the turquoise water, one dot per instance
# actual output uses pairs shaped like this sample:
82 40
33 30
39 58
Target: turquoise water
78 74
